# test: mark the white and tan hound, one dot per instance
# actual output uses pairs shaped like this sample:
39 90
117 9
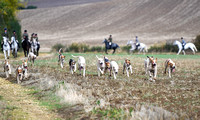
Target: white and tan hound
7 68
72 65
100 65
19 74
111 66
169 63
61 58
127 66
81 64
25 68
31 57
151 67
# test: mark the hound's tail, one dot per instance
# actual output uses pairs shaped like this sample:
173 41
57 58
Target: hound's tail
75 56
97 57
60 50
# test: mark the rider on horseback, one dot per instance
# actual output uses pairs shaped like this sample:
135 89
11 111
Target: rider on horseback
5 34
38 43
15 36
32 36
183 43
110 40
137 43
25 35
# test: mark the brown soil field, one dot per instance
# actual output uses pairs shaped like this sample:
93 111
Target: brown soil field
90 21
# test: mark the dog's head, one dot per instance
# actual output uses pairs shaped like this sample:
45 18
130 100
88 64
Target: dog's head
107 64
6 64
101 62
19 71
152 61
25 63
128 62
171 64
62 57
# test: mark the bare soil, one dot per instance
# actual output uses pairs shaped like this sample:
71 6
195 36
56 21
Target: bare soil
90 21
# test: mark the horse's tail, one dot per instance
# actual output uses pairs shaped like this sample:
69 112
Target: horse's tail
118 46
146 49
195 48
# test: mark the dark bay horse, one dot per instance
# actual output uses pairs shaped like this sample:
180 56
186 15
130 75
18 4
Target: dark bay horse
26 46
113 46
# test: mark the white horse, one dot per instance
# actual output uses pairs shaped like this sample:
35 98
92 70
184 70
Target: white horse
34 46
141 48
187 46
14 46
6 47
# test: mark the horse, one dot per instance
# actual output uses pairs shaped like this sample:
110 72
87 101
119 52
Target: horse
6 47
34 46
141 48
113 46
187 46
14 46
26 46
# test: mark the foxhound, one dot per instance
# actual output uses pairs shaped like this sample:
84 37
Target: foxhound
31 57
25 68
169 63
7 68
151 67
127 66
100 65
72 65
19 74
61 58
81 64
112 66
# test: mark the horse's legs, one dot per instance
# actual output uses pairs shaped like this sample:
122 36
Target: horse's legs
179 52
15 52
106 51
24 53
192 50
183 52
113 51
4 54
8 54
27 51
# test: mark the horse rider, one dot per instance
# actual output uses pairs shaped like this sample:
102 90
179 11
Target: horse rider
15 36
38 43
25 35
32 36
137 43
183 43
5 34
110 40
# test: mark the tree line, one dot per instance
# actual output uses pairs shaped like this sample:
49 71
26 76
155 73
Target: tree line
8 11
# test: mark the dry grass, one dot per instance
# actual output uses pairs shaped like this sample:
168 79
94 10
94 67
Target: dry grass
179 95
166 98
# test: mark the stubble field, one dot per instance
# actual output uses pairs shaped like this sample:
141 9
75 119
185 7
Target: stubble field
127 98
